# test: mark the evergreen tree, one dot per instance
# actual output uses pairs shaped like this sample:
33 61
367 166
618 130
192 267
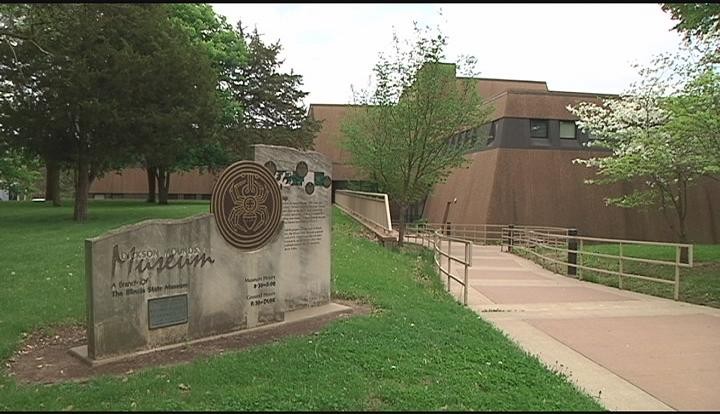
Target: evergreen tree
271 99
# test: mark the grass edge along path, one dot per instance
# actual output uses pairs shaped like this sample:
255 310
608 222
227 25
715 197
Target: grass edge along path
699 284
421 350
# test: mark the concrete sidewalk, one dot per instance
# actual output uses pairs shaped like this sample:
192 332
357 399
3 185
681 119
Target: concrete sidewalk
632 351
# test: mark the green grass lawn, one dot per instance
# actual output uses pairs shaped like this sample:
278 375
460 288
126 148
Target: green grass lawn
420 351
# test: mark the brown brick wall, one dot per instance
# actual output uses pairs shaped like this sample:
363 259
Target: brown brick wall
134 181
543 187
328 139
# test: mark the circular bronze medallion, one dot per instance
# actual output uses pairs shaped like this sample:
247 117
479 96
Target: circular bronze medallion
301 169
247 205
309 188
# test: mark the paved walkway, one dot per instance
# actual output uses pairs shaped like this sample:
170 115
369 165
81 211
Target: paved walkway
632 351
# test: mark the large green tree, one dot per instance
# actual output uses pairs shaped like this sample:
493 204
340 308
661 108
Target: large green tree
179 109
273 111
227 53
699 23
99 72
695 114
180 105
694 101
260 102
40 110
401 135
23 61
695 19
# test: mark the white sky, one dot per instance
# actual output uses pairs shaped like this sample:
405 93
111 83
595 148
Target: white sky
576 47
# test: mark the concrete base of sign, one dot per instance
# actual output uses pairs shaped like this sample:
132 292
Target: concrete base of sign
290 317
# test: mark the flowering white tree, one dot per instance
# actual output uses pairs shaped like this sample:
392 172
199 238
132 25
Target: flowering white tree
648 146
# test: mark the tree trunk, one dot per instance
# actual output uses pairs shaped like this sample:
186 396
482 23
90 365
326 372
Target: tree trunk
684 253
163 180
151 177
401 228
52 182
82 186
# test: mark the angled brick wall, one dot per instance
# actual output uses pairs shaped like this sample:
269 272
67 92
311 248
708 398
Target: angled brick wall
543 187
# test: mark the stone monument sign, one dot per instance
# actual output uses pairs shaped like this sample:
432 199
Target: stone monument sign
262 251
305 178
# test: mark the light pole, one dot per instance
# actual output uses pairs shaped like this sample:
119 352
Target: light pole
445 217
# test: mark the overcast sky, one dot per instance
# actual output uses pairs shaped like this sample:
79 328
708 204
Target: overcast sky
582 48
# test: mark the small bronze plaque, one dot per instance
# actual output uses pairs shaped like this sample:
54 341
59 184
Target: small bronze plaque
167 311
247 205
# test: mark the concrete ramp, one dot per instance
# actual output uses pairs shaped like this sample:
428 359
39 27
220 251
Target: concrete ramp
631 351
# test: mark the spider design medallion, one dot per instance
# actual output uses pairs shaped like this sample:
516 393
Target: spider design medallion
247 205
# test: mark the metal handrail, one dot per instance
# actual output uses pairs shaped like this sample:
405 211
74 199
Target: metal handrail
482 233
436 242
596 269
527 240
455 225
624 242
602 239
560 240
